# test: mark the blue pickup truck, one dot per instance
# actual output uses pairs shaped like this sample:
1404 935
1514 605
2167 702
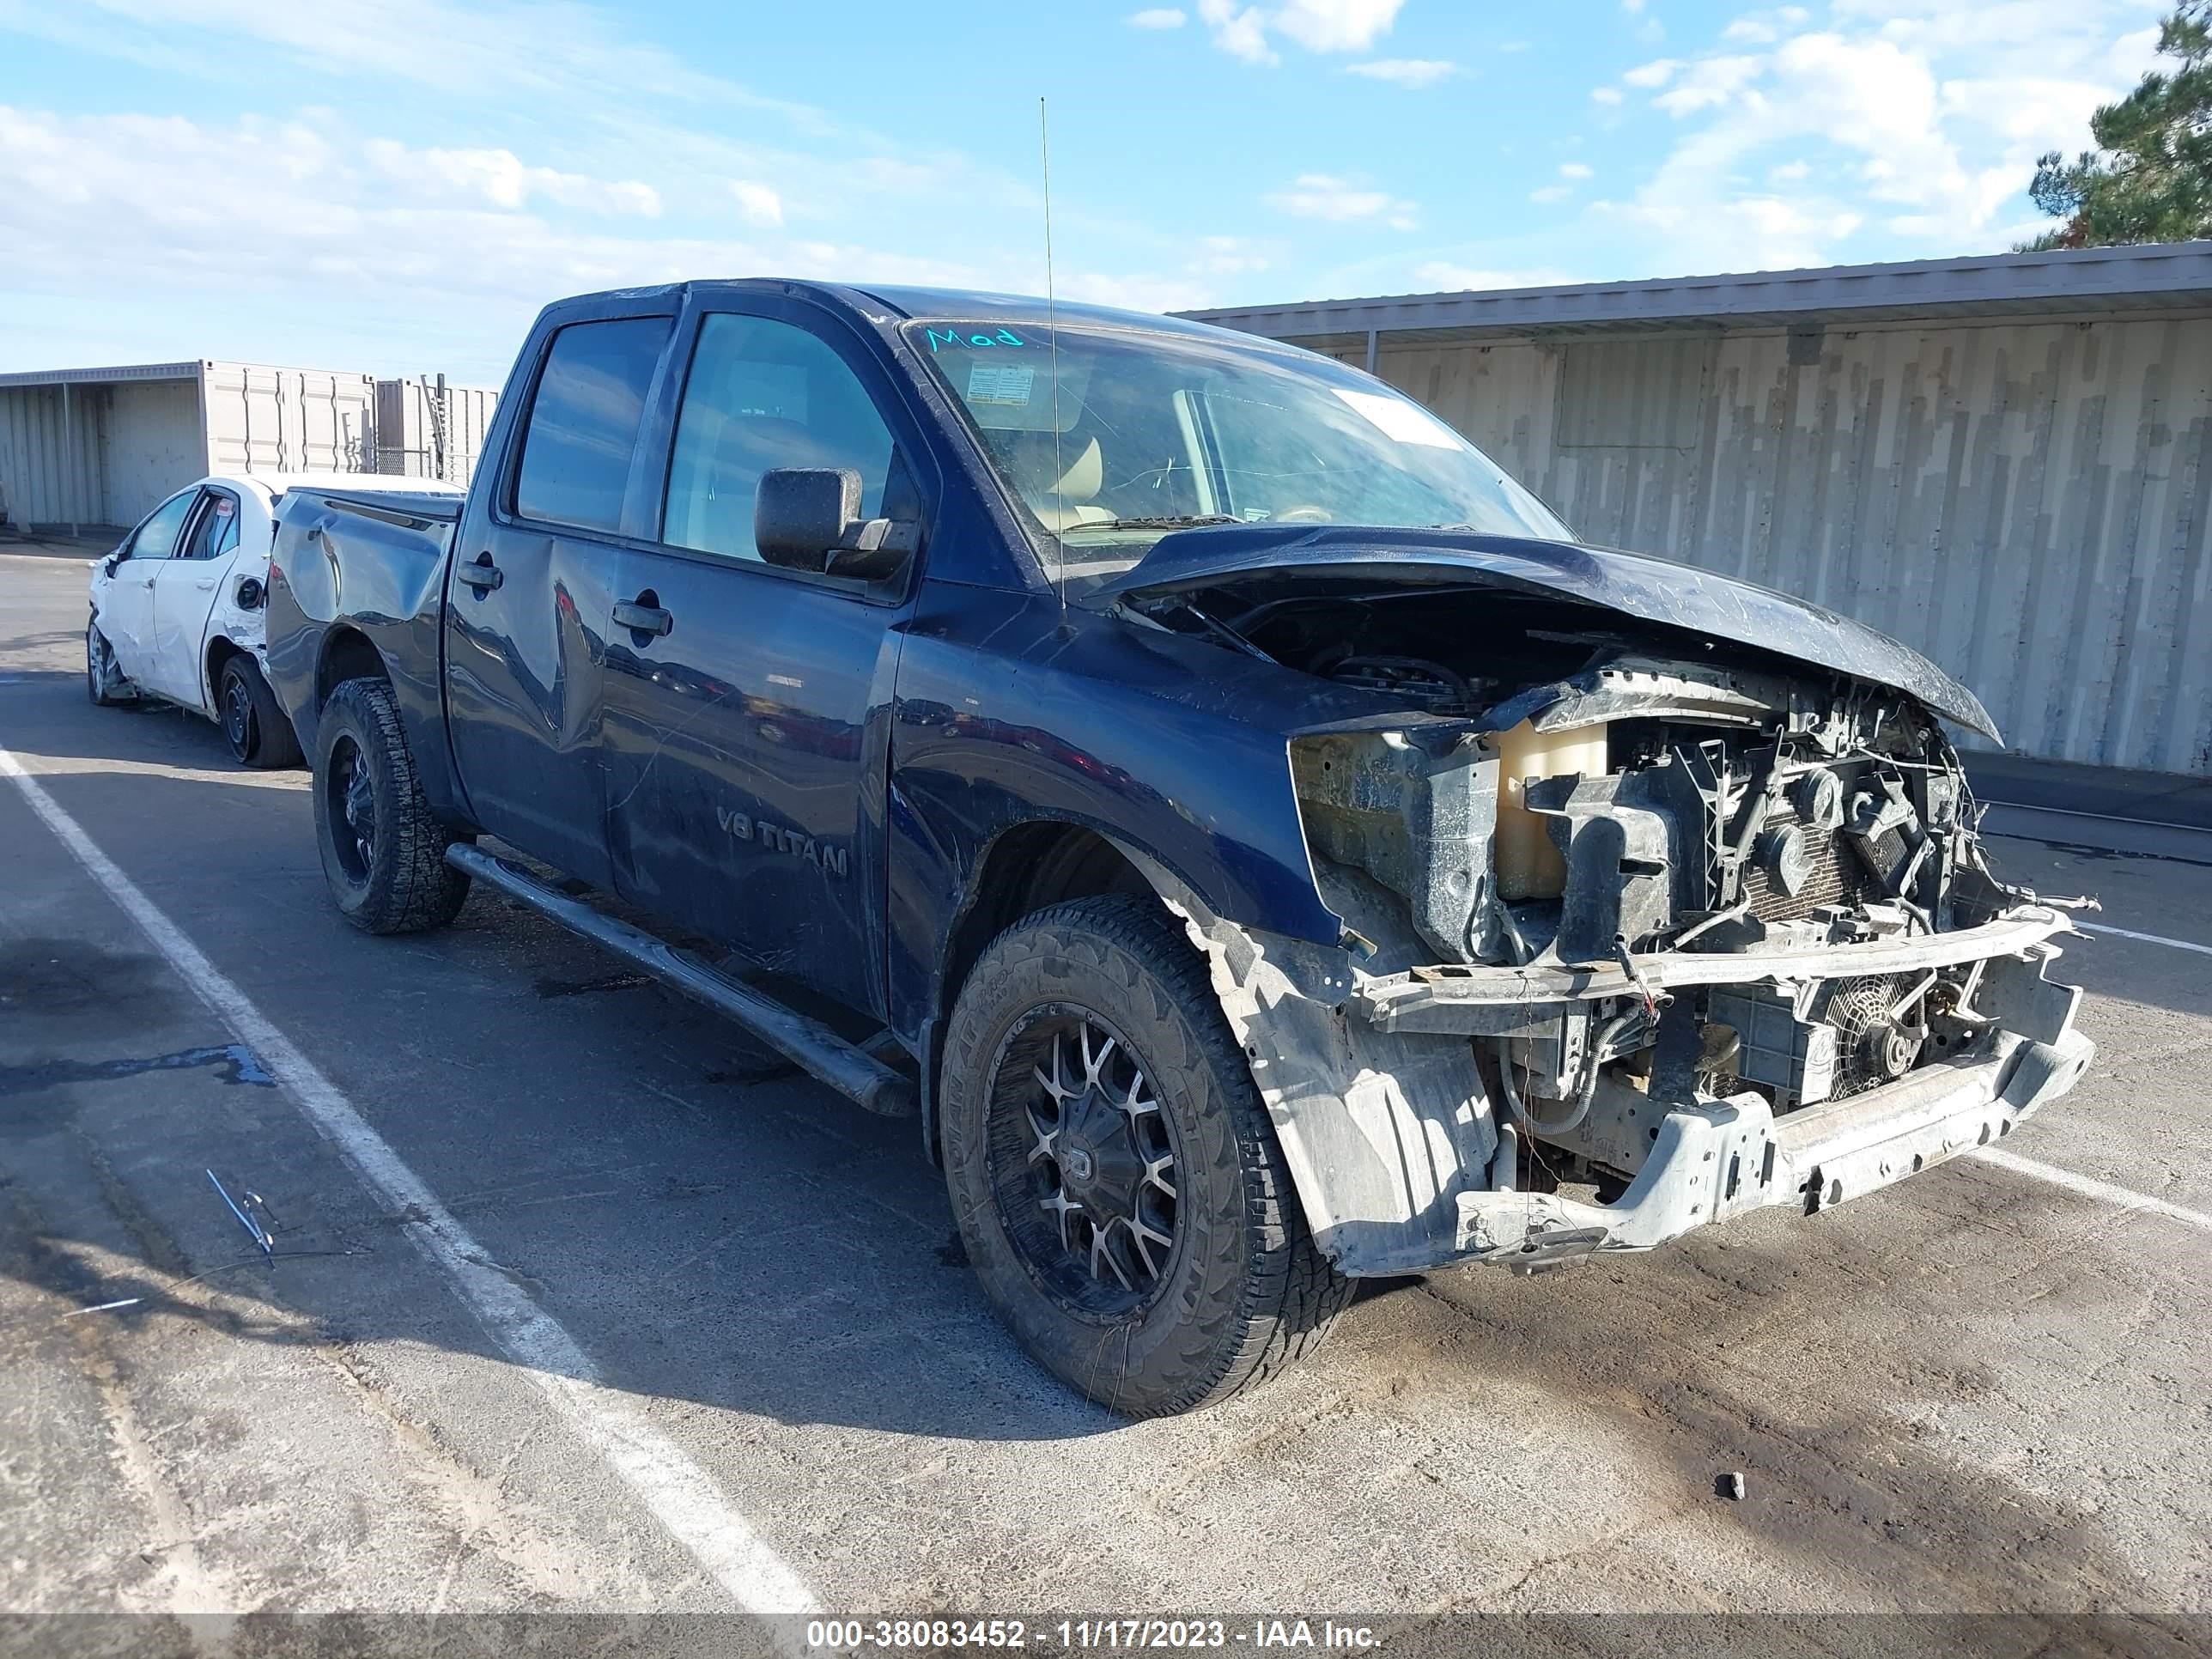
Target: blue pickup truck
1260 845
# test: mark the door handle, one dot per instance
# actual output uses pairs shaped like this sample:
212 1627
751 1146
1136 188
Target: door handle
205 586
484 576
641 617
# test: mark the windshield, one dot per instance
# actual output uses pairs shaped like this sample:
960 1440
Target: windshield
1135 434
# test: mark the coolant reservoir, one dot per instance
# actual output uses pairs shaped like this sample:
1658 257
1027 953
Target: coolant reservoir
1528 865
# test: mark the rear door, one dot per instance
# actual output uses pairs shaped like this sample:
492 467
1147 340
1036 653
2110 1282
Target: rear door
183 594
126 609
747 744
531 589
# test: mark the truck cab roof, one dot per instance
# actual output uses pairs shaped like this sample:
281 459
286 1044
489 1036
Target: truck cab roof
899 304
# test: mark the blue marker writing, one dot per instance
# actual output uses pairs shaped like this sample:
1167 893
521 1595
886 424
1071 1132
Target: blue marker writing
1004 336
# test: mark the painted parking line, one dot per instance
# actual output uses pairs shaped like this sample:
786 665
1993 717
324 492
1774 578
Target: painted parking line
681 1496
2121 1198
2145 939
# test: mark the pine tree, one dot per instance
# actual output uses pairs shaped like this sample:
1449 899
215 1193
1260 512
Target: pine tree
2149 179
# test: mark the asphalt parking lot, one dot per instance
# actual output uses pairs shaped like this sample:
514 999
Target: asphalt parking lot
713 1338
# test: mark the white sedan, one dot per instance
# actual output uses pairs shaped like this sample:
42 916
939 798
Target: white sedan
176 609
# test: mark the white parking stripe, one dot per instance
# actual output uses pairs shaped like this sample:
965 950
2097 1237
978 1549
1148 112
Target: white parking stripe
681 1496
2147 939
2119 1197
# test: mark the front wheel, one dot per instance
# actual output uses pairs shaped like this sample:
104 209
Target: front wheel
104 681
1114 1177
384 853
254 724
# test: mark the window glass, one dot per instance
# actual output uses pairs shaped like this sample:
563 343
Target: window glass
1112 439
216 533
763 395
584 422
157 537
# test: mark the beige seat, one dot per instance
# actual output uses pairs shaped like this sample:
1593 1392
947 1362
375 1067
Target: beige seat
1069 502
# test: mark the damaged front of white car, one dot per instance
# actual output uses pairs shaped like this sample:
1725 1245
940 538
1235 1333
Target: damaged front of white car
1663 899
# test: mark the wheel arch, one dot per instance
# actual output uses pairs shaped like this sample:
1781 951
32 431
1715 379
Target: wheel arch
347 653
221 648
1027 866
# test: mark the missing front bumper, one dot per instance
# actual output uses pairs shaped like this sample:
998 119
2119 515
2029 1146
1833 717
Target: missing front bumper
1720 1158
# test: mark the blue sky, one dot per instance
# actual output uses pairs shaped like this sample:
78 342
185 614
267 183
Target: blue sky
396 186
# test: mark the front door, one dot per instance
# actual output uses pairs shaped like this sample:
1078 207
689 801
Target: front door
126 608
528 592
746 744
184 594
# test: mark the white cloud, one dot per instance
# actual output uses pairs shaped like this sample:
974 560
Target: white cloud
1921 118
1441 276
1574 170
757 202
1229 256
1550 193
1709 81
499 177
1152 293
1405 71
1245 30
392 256
1631 7
1605 94
1343 201
1158 17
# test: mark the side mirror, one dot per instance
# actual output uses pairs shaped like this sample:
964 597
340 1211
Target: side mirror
808 518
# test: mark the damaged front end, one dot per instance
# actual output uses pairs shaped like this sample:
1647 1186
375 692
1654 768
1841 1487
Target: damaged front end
1642 930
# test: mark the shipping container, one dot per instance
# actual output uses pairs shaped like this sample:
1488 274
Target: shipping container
94 449
428 428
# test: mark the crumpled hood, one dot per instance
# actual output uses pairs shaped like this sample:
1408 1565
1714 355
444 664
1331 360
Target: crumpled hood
1637 585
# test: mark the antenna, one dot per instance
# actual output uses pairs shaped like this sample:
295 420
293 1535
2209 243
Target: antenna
1052 335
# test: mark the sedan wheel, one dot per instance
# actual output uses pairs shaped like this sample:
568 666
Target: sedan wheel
103 675
238 716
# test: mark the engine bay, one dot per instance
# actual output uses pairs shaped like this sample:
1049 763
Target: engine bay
1561 787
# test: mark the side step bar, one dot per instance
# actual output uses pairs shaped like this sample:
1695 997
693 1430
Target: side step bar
807 1043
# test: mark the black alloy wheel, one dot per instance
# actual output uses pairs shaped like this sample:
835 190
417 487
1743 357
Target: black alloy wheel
351 802
1113 1170
1085 1160
383 848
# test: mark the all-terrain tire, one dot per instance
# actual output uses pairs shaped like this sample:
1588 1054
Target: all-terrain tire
394 880
1245 1291
257 728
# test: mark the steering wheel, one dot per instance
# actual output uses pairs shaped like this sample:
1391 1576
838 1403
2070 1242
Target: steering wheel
1305 515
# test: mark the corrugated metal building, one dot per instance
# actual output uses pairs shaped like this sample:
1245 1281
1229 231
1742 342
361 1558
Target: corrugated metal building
2005 462
97 447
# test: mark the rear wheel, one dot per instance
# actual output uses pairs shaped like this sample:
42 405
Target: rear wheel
257 729
384 853
104 682
1113 1171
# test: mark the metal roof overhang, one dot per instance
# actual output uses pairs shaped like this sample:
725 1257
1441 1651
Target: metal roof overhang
2083 281
101 376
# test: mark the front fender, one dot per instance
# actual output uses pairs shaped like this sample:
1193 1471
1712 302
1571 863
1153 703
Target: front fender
1011 711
